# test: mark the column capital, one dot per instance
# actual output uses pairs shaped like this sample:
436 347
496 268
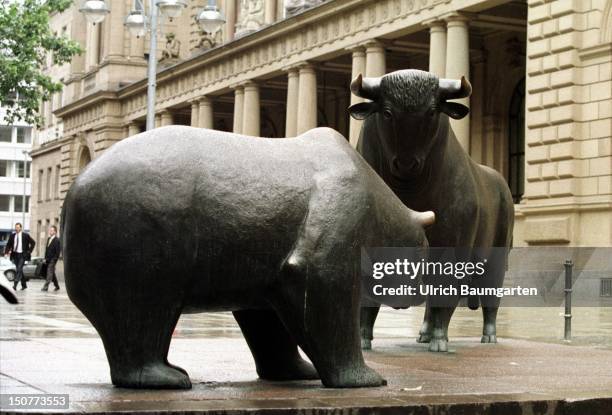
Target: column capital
194 101
457 18
305 66
435 24
238 88
356 49
372 44
291 69
250 85
204 99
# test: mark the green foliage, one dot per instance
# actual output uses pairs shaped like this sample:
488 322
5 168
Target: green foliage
25 42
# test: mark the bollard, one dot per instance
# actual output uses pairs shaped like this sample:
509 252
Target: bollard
568 300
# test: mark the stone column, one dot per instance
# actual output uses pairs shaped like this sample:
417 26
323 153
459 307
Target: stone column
92 48
238 109
376 63
195 108
359 67
458 65
230 20
137 46
115 35
292 102
270 11
437 47
307 99
133 129
205 116
477 104
251 118
166 118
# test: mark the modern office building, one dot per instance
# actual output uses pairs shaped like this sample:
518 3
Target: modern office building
541 72
15 177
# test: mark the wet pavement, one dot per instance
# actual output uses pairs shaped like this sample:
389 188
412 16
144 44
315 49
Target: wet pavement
47 346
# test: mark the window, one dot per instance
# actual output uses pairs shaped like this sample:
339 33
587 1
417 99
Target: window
24 135
4 168
48 188
605 287
40 184
20 169
5 203
516 134
6 134
57 181
18 201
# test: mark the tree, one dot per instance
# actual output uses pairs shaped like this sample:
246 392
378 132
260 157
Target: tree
25 41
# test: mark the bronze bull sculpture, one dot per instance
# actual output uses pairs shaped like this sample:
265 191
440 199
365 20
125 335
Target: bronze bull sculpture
407 139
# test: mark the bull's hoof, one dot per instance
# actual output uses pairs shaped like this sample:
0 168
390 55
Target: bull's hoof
153 376
366 344
488 338
355 378
424 338
438 345
298 370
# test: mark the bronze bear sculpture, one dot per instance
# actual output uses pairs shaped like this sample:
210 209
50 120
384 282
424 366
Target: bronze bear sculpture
186 220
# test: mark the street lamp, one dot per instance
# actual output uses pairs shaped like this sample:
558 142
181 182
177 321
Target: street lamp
26 153
138 23
94 10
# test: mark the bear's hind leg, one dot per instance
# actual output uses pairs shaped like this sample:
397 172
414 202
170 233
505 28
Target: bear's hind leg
274 350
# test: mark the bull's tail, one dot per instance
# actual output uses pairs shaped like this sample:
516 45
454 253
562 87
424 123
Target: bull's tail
473 302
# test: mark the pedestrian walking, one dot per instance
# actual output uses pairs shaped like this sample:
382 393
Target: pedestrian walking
19 247
52 254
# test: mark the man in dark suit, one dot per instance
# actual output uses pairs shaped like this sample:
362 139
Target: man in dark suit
52 254
19 247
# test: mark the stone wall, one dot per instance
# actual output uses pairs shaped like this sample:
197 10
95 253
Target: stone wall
568 194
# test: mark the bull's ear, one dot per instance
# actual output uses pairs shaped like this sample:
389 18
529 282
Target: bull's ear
362 110
454 110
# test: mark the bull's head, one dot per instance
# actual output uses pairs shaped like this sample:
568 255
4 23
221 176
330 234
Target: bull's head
408 105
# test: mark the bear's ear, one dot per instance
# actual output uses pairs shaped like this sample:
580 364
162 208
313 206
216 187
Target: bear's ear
362 110
454 110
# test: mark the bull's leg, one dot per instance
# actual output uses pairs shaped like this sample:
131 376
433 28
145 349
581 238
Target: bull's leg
274 350
489 328
427 326
440 317
367 320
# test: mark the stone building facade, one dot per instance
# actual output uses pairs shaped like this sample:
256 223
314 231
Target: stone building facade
540 70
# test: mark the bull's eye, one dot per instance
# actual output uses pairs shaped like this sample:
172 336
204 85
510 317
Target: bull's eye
387 114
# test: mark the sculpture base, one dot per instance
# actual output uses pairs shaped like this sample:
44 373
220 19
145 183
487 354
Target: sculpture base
513 376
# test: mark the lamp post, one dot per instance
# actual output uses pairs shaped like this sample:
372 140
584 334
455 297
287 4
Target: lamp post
138 23
25 176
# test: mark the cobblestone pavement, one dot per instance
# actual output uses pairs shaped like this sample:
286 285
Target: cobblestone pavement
51 314
47 346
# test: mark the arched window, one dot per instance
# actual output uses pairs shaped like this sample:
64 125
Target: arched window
516 146
84 158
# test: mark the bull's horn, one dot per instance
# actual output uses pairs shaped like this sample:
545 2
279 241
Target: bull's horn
365 87
425 218
455 89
